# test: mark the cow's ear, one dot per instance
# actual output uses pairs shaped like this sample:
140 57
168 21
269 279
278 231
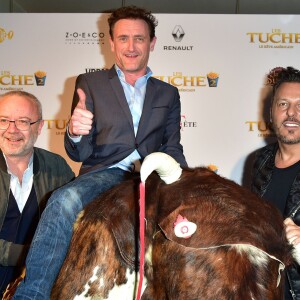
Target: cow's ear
183 228
178 228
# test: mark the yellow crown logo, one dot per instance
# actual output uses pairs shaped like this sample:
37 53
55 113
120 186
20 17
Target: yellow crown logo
4 35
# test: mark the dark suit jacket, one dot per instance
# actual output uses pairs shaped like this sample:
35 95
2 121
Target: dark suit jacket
112 136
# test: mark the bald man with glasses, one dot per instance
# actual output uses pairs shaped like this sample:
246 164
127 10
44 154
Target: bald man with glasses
28 175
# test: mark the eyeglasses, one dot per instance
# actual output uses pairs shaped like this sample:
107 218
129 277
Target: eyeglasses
21 124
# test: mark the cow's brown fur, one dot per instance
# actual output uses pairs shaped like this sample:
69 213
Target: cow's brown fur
224 212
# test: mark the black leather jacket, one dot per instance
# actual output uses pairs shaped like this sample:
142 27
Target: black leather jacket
262 172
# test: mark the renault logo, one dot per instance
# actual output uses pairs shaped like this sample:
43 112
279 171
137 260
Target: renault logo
178 33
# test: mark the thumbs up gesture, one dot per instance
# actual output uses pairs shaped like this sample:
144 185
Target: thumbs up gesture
81 119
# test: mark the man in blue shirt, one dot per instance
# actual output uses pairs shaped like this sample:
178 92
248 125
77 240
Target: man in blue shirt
119 116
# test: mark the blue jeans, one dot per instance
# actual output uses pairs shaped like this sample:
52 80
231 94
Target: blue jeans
53 235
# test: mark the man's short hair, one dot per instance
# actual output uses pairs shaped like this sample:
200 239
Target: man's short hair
288 74
134 13
28 96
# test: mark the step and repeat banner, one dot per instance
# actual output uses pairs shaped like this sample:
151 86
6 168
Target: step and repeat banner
218 62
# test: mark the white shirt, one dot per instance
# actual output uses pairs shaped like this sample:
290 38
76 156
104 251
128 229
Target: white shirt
135 98
21 191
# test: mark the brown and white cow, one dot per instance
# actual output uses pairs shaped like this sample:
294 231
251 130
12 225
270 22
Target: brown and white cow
230 245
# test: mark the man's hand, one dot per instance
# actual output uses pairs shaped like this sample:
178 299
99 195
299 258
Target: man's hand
292 231
82 119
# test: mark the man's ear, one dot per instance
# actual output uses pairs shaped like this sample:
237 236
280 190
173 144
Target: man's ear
271 119
41 124
112 45
152 43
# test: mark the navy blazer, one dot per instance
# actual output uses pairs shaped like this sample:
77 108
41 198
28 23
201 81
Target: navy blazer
112 136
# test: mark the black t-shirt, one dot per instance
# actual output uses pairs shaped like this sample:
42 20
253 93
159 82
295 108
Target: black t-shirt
280 185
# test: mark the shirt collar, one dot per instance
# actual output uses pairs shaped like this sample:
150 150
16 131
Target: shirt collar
122 76
30 164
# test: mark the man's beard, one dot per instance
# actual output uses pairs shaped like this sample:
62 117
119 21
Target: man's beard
287 139
21 150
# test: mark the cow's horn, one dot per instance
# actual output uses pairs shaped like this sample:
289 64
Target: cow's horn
167 167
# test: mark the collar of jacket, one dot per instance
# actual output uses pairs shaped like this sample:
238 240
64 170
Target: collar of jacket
272 149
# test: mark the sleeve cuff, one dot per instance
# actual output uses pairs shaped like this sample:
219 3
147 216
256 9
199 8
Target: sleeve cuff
74 139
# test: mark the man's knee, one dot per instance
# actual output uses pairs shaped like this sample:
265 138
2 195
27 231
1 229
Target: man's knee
65 202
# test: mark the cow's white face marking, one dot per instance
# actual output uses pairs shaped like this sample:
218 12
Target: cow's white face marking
125 291
260 258
255 255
